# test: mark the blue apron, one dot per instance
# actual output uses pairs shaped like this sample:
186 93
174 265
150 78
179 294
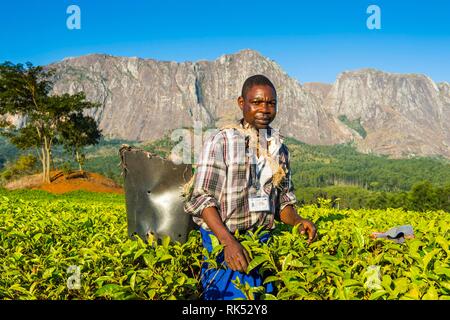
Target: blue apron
217 283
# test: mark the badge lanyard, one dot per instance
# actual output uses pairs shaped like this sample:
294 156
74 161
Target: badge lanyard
256 187
258 200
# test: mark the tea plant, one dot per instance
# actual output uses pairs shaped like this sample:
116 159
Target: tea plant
43 237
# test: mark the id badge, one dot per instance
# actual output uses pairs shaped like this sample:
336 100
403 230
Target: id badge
259 203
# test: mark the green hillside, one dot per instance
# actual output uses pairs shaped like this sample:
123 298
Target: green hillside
340 171
319 166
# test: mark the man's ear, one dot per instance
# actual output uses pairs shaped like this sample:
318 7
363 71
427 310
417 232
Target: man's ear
240 102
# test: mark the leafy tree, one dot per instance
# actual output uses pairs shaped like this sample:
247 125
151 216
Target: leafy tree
25 91
77 132
378 201
422 197
25 164
397 200
443 198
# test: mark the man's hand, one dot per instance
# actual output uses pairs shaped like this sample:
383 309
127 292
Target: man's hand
308 227
289 216
236 256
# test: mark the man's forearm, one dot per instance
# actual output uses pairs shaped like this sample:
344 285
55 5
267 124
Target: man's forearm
289 216
235 255
212 219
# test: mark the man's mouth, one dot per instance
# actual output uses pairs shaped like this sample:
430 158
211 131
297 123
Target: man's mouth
262 120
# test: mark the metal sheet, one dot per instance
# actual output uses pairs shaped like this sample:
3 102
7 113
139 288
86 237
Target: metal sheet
153 192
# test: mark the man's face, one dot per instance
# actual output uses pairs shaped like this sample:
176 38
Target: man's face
259 106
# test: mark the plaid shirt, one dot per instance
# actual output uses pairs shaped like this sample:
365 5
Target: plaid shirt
223 178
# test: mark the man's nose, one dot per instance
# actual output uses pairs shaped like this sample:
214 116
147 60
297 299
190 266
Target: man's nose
265 107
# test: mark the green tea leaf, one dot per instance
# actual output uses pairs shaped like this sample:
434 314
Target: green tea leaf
270 279
431 294
427 258
139 253
442 242
108 290
351 283
256 262
133 281
378 294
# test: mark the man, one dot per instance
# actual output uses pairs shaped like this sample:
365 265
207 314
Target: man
242 182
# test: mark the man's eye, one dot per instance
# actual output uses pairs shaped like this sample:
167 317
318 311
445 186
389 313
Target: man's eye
269 103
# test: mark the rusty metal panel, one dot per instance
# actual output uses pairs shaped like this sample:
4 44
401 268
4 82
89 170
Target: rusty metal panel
153 192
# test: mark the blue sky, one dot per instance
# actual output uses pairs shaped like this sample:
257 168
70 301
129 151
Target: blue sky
311 40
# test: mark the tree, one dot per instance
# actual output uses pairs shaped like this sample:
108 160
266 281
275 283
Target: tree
25 164
443 197
378 201
79 131
422 197
25 91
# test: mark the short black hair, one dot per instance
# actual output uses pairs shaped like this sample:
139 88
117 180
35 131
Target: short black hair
256 80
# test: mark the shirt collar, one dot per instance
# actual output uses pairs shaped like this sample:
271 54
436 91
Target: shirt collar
274 138
268 136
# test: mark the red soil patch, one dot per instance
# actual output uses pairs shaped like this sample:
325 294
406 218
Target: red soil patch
93 182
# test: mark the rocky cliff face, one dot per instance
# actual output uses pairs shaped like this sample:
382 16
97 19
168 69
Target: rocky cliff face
403 114
320 90
444 90
143 99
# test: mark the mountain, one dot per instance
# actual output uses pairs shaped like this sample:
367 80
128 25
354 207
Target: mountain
143 99
402 114
320 90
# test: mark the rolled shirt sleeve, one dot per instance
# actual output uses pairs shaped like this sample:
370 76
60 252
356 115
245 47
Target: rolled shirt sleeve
210 176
